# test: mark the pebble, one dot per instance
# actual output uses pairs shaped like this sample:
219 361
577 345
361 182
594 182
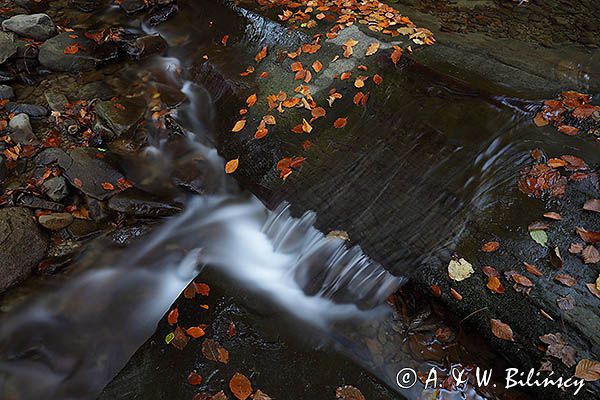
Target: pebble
55 221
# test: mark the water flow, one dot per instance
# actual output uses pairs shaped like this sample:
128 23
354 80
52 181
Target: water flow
73 339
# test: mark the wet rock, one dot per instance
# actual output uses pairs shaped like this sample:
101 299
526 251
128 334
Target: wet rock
120 116
55 221
56 188
133 6
3 170
22 245
52 155
56 101
95 90
98 209
8 46
86 5
21 130
160 14
147 46
32 110
35 26
81 229
87 56
27 200
141 204
26 59
87 169
6 77
6 92
126 235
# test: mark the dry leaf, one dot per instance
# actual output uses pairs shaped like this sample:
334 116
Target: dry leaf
239 125
194 379
261 55
377 79
349 393
306 128
590 255
495 285
587 236
251 100
501 330
173 316
459 270
455 294
588 370
558 348
317 66
372 49
240 386
566 280
436 290
593 290
592 205
532 269
553 215
340 123
490 247
212 350
566 303
195 332
522 280
396 54
232 165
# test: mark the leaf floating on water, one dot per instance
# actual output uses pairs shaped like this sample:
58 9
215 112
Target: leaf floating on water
343 235
349 393
232 165
539 236
173 316
501 330
490 247
566 280
588 370
240 386
459 270
251 100
592 205
169 338
224 40
239 125
194 379
212 350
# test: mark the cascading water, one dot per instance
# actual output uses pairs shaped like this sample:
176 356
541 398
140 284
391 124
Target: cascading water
74 338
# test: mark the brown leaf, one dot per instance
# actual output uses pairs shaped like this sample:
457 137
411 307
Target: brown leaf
219 396
340 123
224 40
490 247
436 290
592 205
553 215
455 294
181 339
522 280
173 316
532 269
588 370
489 271
555 258
259 395
377 79
566 280
251 100
537 225
587 236
232 165
318 112
317 66
540 120
558 348
261 54
372 49
575 248
566 303
306 128
194 379
396 54
590 255
212 350
195 332
495 285
239 125
349 393
501 330
240 386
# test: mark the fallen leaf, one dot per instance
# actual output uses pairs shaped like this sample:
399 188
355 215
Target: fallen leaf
490 247
455 294
558 348
587 236
459 270
306 128
489 271
495 285
556 258
259 395
532 269
296 66
593 290
239 125
568 130
588 370
194 379
317 66
261 54
181 339
575 248
107 186
396 54
359 82
173 316
539 236
522 280
501 330
372 48
202 289
349 393
436 290
590 255
232 165
72 48
377 79
340 123
219 396
251 100
540 120
566 280
224 40
566 303
240 386
345 75
318 112
269 119
212 350
553 215
592 205
195 332
231 330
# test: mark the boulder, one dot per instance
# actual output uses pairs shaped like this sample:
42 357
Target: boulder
84 54
120 116
8 46
22 245
35 26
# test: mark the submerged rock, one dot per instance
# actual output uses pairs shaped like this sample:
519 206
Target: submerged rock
83 54
147 46
22 245
56 188
56 101
34 26
120 116
55 221
133 6
140 204
8 46
160 14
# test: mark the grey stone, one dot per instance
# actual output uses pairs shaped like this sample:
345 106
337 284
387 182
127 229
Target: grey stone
55 221
22 245
95 90
34 26
21 130
32 110
56 188
56 101
8 46
6 92
120 116
89 55
140 204
29 201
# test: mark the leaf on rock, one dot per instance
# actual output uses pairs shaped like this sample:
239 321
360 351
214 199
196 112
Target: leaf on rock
566 303
592 205
72 48
195 332
588 370
587 236
556 258
240 386
489 271
522 280
590 255
181 339
495 285
396 54
459 270
349 393
553 215
501 330
202 289
566 280
239 125
490 247
317 66
232 165
194 379
260 395
251 100
593 290
212 350
219 396
296 66
575 248
340 123
558 348
377 79
436 290
532 269
261 54
455 294
539 236
372 49
173 316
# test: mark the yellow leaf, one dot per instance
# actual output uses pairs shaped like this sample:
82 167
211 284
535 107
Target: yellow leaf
232 165
372 49
239 125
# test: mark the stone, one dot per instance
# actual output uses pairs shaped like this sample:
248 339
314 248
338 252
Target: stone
6 77
35 26
56 188
22 245
120 116
29 201
32 110
88 56
6 92
86 6
160 14
82 229
55 221
8 46
95 90
147 46
133 6
21 130
137 203
88 169
56 101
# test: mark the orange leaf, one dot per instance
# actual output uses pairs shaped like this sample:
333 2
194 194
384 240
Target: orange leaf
396 54
107 186
239 125
195 332
340 123
240 386
173 316
306 126
297 66
232 165
372 49
261 54
224 40
377 79
261 133
495 285
202 289
317 66
490 247
194 379
251 100
318 112
501 330
345 75
72 48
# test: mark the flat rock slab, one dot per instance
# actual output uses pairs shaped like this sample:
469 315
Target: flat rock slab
22 245
65 53
121 115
